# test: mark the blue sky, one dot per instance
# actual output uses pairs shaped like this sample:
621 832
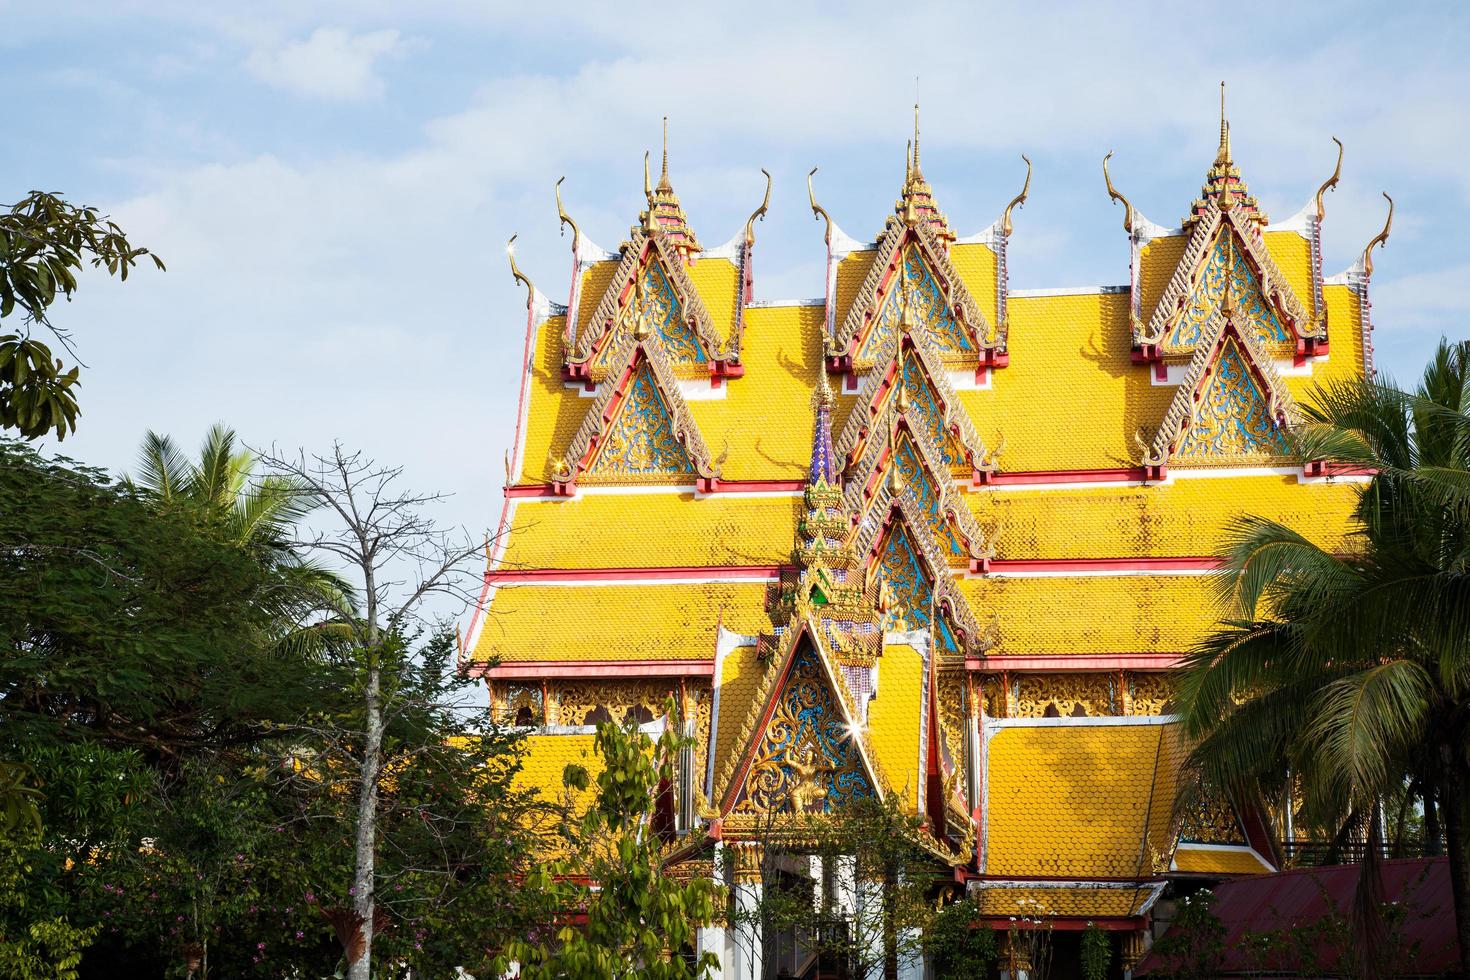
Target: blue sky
332 184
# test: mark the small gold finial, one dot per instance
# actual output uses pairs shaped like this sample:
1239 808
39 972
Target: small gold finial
1222 158
1379 239
1113 193
1226 200
1331 182
1018 201
895 478
566 219
759 212
817 209
663 180
641 327
520 277
906 321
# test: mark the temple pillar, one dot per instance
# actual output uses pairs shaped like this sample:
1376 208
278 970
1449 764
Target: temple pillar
744 942
1135 944
867 926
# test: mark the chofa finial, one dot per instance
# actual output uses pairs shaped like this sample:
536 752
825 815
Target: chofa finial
817 209
520 277
1379 239
1018 201
566 219
1331 182
1113 193
759 212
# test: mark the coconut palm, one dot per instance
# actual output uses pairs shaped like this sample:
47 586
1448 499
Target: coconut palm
260 515
1352 670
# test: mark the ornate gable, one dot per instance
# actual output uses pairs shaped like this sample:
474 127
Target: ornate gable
918 586
1231 407
914 385
803 748
912 286
1226 253
639 429
905 464
1226 256
651 292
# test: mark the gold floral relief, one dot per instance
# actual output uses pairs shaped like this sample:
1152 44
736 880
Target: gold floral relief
952 715
1211 820
640 440
1151 694
1233 418
1065 695
576 700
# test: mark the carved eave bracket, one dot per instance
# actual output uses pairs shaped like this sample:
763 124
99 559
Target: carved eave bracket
722 355
593 432
1150 341
880 388
1279 406
845 348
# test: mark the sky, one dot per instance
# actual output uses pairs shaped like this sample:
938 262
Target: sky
332 184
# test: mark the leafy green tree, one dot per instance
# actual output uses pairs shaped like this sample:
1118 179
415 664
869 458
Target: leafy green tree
1097 953
44 243
958 944
1352 670
639 921
1194 946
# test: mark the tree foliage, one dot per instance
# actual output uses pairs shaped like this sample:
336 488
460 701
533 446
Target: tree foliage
44 242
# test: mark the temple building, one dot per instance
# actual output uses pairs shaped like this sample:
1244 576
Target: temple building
926 539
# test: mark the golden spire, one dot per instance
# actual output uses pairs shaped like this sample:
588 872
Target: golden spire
1222 158
663 180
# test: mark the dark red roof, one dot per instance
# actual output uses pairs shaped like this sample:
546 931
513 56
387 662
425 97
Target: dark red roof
1304 897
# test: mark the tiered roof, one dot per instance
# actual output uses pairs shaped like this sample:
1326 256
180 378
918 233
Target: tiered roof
921 485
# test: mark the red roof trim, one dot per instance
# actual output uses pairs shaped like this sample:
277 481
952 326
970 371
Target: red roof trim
523 669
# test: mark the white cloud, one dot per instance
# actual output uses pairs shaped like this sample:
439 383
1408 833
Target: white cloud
331 64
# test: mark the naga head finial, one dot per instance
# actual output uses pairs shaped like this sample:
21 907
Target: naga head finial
1379 239
1018 201
566 219
1113 193
1331 182
817 210
520 277
759 212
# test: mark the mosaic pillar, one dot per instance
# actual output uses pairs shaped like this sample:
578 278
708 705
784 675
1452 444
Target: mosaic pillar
1135 944
744 943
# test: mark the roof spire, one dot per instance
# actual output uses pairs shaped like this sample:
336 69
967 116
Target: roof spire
917 171
663 180
823 468
665 213
1222 158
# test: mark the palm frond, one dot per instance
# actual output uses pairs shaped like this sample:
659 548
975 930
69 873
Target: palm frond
162 469
1363 723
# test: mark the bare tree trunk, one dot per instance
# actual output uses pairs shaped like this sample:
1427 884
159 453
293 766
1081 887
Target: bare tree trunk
1433 835
364 871
1452 804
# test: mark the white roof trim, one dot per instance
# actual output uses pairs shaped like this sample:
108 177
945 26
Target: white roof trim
990 236
764 304
1301 222
1070 291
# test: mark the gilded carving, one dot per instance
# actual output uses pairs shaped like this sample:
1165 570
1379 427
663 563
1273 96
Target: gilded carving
807 760
640 440
915 292
1210 820
1066 695
1225 269
575 700
1151 694
952 716
1233 418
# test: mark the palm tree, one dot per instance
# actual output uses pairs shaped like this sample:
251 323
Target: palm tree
1352 670
259 515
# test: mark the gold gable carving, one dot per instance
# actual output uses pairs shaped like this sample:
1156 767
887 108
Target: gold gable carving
660 440
614 321
944 297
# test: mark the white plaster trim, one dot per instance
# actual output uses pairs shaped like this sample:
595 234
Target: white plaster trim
844 244
701 389
963 379
1353 276
589 252
1204 472
1301 222
1219 849
1173 375
582 580
765 304
1345 478
1059 485
745 494
634 490
582 390
1070 291
1146 231
988 883
726 642
728 250
1288 368
993 725
990 236
1097 573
